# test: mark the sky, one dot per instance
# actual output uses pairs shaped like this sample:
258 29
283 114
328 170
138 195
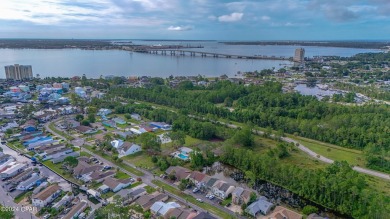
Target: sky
196 19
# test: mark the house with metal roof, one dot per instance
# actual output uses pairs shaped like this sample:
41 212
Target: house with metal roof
262 206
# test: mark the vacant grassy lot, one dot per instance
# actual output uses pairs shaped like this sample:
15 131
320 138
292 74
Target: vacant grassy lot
334 152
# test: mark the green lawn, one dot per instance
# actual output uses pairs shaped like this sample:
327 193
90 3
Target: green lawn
135 184
122 165
191 199
57 169
121 175
21 196
334 152
149 189
85 154
140 159
63 134
379 184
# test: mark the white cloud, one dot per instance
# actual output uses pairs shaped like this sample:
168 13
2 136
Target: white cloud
265 18
233 17
180 28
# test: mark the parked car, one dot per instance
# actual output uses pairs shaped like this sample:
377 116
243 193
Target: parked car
199 200
46 216
195 190
211 197
107 167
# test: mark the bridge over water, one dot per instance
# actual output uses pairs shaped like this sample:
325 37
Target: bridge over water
180 52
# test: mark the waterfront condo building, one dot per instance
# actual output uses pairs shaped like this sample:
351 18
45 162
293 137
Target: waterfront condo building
18 72
299 55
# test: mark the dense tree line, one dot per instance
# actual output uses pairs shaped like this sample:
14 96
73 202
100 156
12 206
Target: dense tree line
268 106
336 187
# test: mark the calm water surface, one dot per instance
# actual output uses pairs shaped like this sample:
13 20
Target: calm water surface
71 62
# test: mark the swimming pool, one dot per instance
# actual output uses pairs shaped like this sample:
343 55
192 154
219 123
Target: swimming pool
182 156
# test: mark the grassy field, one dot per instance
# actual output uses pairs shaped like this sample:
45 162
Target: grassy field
21 196
63 134
56 168
140 159
122 165
334 152
121 175
149 189
381 185
189 198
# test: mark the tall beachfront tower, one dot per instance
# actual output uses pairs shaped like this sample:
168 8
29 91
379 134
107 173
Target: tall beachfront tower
299 55
18 72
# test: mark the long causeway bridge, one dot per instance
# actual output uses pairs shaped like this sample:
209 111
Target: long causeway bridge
180 52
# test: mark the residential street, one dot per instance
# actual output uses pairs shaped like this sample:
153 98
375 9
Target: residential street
146 178
6 200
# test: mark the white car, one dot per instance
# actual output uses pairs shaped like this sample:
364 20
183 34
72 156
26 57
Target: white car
211 197
199 200
195 190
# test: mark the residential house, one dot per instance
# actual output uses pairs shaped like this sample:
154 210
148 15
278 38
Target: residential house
262 205
180 213
103 189
123 134
49 148
99 175
5 157
29 126
284 213
137 131
104 112
56 154
76 210
26 184
146 201
117 184
197 177
128 148
46 196
119 121
129 195
21 177
83 170
210 182
179 172
240 196
12 170
136 116
204 215
63 201
109 123
160 209
222 189
69 124
161 125
61 158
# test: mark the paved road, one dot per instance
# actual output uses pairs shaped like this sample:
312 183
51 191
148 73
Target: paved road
318 156
146 178
6 200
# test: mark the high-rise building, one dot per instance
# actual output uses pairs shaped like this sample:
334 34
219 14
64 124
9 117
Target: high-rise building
299 55
18 72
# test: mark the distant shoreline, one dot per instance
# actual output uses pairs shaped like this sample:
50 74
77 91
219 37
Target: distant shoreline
341 44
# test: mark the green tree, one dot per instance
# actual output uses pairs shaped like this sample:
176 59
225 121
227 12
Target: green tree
91 118
309 209
244 137
228 102
150 142
79 117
